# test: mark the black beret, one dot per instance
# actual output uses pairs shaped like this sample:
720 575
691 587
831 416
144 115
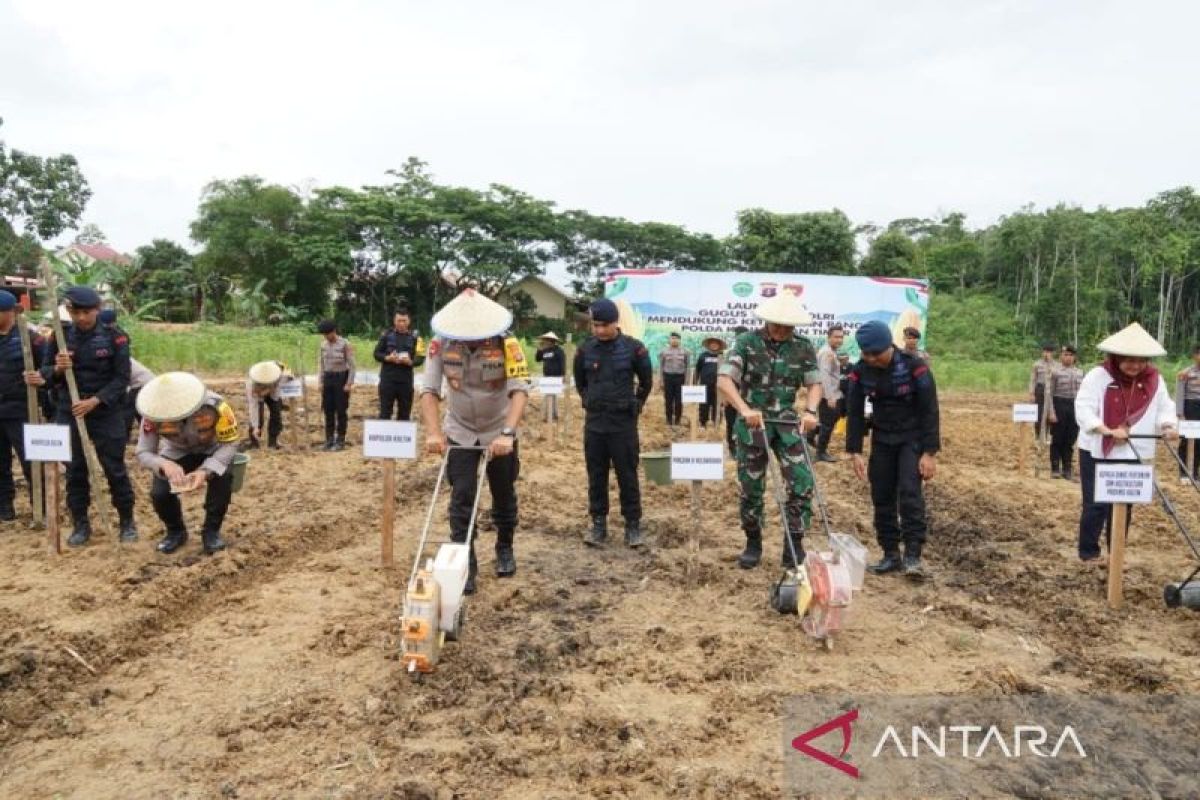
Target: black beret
326 326
82 297
604 310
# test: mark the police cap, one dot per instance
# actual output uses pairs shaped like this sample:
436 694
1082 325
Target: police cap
82 297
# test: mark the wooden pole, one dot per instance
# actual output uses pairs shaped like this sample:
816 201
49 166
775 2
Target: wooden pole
1021 446
306 444
292 421
85 439
53 537
1116 554
1191 459
31 402
696 504
386 532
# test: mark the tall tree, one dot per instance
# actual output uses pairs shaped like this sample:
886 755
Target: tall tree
816 242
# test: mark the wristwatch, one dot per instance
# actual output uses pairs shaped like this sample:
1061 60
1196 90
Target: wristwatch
812 411
506 431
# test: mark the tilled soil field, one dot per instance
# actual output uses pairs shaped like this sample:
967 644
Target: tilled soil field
271 670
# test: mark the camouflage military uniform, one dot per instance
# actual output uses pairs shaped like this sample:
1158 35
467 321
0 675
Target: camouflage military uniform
768 375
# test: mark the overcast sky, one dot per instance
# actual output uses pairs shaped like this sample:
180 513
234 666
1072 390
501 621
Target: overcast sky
681 112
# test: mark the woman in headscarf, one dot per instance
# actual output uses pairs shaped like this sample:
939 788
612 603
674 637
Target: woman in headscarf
1122 398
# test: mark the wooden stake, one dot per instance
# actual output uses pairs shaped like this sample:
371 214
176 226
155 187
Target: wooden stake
31 402
1191 459
53 537
388 527
1021 445
85 438
291 415
1116 554
696 505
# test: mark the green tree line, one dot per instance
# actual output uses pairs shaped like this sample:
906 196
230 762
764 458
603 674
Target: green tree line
273 253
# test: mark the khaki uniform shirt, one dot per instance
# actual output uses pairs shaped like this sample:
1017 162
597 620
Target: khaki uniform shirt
1041 374
1191 383
154 448
336 356
1064 381
479 385
831 374
673 361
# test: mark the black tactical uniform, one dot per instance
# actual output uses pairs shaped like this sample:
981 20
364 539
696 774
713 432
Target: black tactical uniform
100 358
14 409
396 380
904 427
604 376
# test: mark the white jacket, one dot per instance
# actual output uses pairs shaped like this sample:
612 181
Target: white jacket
1089 413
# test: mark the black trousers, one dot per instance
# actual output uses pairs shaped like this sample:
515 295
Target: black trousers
108 436
708 409
12 441
1191 410
217 495
335 402
673 391
1094 517
1063 435
829 419
397 395
1039 397
618 450
274 408
462 470
896 491
731 416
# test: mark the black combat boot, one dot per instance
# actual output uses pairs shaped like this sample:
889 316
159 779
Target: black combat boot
825 458
786 560
273 443
172 540
506 561
339 443
753 553
211 537
633 533
7 513
598 533
890 562
82 532
328 444
913 569
128 529
472 570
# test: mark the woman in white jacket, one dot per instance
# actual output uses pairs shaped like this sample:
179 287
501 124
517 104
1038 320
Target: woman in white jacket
1125 396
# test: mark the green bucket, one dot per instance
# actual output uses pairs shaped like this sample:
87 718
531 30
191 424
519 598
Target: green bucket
237 470
658 466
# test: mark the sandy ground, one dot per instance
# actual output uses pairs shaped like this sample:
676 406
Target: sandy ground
271 670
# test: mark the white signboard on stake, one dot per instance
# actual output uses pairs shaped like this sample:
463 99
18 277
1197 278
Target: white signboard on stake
697 461
550 386
695 394
1025 412
1189 428
47 442
1124 483
291 388
365 378
385 438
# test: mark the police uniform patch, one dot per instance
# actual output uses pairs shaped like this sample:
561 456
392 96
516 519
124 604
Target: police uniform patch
515 365
120 340
434 348
148 426
227 427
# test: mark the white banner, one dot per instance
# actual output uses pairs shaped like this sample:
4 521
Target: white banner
384 438
47 442
1124 483
694 394
1024 412
697 461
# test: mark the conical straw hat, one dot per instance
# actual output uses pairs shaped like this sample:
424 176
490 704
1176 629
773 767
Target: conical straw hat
171 396
1132 341
716 339
471 316
784 308
265 373
551 335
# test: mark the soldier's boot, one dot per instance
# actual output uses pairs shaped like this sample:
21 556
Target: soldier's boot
173 539
82 532
128 528
787 561
506 560
913 569
339 443
891 562
210 536
753 553
7 512
598 533
472 571
328 444
633 534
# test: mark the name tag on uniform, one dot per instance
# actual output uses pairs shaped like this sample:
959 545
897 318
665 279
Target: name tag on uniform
47 442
